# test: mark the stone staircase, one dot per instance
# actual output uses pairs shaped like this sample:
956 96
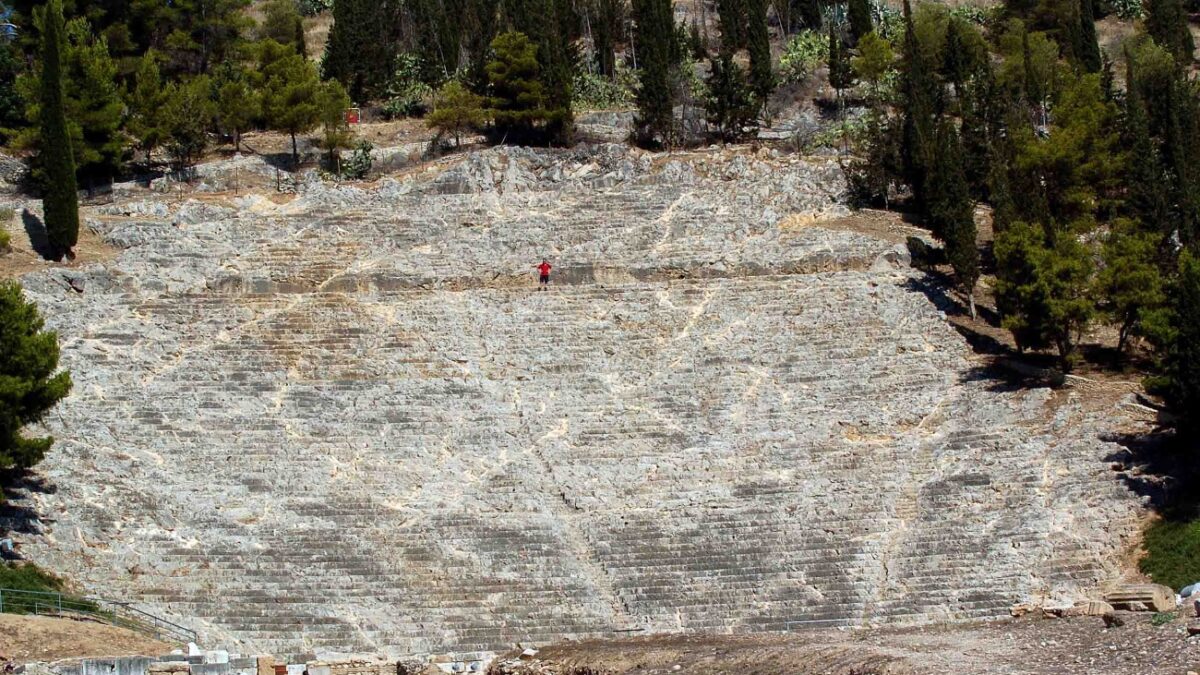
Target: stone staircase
352 423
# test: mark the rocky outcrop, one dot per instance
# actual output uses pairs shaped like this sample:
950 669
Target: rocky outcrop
351 422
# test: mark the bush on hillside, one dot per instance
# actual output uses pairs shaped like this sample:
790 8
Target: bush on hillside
802 55
1172 552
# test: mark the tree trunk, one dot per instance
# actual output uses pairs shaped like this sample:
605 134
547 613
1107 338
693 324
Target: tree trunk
971 302
295 153
237 141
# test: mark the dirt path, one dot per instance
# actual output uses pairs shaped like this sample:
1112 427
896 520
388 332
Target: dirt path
1080 646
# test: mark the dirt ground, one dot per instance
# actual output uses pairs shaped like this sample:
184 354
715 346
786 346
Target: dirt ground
40 638
1027 646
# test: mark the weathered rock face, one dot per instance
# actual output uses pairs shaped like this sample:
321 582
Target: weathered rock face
351 421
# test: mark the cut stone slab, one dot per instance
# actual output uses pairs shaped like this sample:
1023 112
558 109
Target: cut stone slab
1142 597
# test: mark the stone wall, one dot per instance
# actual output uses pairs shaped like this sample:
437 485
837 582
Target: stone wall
350 422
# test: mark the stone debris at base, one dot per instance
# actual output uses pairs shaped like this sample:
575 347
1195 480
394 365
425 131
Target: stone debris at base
347 422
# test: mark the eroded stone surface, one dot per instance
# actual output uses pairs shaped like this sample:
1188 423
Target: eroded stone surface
350 422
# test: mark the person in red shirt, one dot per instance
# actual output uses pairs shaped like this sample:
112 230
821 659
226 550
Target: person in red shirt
543 275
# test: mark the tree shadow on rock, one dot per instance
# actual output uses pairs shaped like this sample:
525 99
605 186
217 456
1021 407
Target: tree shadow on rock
1159 466
35 229
17 512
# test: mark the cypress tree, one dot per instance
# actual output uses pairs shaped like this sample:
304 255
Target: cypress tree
840 74
732 17
859 12
655 98
730 106
610 15
361 51
1089 55
810 14
1183 354
919 102
1146 180
1166 22
60 202
951 213
759 42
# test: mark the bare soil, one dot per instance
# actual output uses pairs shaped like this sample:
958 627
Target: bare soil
40 638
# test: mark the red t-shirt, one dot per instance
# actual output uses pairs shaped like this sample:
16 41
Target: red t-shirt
544 269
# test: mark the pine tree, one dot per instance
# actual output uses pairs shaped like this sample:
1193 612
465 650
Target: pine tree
332 101
1167 23
289 92
951 213
758 39
29 387
874 60
655 97
518 98
1130 285
145 103
1089 56
859 14
60 200
238 105
455 110
188 113
1146 180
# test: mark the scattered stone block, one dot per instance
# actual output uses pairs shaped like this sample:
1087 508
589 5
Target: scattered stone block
1142 598
1091 608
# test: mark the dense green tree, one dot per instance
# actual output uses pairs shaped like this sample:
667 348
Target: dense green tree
1167 23
145 104
332 101
730 107
92 101
59 200
1130 285
859 15
1090 58
656 97
874 61
810 14
608 22
456 109
238 105
758 42
12 107
1183 352
289 92
951 211
1042 288
921 93
361 51
282 23
29 386
732 16
518 99
188 113
841 75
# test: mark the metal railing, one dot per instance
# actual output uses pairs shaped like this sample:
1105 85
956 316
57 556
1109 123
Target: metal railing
121 614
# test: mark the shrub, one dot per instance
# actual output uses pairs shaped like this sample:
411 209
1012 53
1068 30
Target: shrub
312 7
1172 552
28 577
6 217
1162 618
802 55
407 94
360 163
597 92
